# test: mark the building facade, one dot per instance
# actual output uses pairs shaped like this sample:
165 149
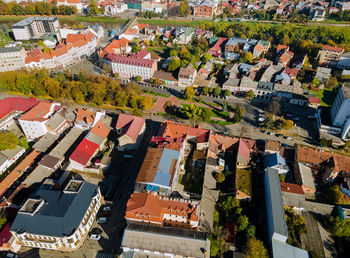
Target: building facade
340 111
330 55
12 58
34 27
58 220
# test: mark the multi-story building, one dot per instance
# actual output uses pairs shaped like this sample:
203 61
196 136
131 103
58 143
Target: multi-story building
33 123
330 55
130 130
340 111
152 208
57 219
114 8
34 27
261 47
12 58
206 8
186 76
131 66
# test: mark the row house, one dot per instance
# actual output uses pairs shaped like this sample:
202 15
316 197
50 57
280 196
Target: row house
116 46
114 8
57 219
186 76
132 66
206 8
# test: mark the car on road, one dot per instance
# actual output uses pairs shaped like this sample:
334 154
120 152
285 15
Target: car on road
271 133
106 214
107 208
261 119
95 237
96 231
279 135
260 111
102 220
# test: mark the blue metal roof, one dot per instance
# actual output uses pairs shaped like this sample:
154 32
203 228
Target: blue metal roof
273 160
163 174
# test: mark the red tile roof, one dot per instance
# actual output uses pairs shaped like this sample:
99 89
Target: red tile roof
314 100
86 115
83 153
141 26
282 47
292 72
140 55
155 206
175 130
131 125
130 60
5 234
11 104
116 44
308 155
333 49
291 188
243 149
38 112
130 32
100 129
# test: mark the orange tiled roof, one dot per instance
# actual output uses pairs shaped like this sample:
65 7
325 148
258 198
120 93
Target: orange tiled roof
38 112
85 115
154 206
175 130
308 155
333 49
116 44
291 188
141 26
100 129
130 32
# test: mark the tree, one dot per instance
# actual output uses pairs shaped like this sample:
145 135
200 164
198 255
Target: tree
339 227
282 178
255 249
250 95
138 78
206 114
184 8
52 87
274 107
206 57
227 93
220 177
174 64
316 81
250 231
217 91
145 103
189 93
205 89
334 194
331 83
93 8
173 52
248 57
7 140
242 222
288 124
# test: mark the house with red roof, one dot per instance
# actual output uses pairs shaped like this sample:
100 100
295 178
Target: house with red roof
219 45
281 49
117 46
34 122
285 58
94 141
87 118
293 195
151 208
314 102
243 154
130 131
330 55
12 107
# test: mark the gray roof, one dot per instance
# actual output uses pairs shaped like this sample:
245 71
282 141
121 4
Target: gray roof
10 49
45 142
37 175
280 249
274 203
49 161
63 146
175 241
246 82
306 175
94 138
55 121
11 153
29 20
60 216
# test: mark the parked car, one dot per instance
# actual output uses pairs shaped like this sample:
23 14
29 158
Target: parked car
271 133
279 135
289 138
96 231
289 115
260 111
296 118
102 220
261 119
107 208
95 237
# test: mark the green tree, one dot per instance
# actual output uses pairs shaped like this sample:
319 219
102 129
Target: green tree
250 231
174 64
205 89
250 94
173 52
93 8
52 87
255 249
189 93
331 83
282 178
227 93
242 222
217 91
315 81
138 78
7 140
206 114
248 57
206 57
220 177
339 227
184 8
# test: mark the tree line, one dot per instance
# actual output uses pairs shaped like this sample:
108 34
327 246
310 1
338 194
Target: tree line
35 8
80 88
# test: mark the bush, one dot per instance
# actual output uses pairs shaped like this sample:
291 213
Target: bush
339 227
326 142
8 140
220 177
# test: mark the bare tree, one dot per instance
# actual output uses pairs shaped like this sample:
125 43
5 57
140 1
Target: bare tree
274 107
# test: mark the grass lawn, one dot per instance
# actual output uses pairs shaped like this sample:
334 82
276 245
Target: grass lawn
327 96
157 50
157 94
243 181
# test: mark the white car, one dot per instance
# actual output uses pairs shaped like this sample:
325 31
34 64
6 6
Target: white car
102 220
107 208
95 237
261 119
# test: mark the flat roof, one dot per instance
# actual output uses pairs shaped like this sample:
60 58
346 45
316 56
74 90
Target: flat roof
45 142
10 49
60 215
181 242
29 20
37 175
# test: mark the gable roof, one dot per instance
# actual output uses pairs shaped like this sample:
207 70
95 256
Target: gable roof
39 112
333 49
243 150
273 160
83 153
131 125
101 128
8 105
291 188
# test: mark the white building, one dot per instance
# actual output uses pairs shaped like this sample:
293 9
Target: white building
340 111
114 8
34 27
130 66
12 58
9 156
344 61
58 220
33 123
72 3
